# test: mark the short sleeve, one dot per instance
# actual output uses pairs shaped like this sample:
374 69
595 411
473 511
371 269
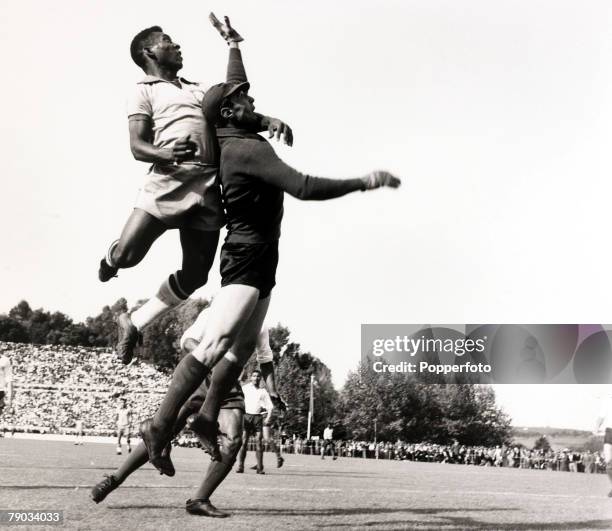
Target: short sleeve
139 101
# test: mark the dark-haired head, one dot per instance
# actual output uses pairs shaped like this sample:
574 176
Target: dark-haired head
141 41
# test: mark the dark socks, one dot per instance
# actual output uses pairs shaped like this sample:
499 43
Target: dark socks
274 447
187 377
223 378
259 457
243 452
135 460
215 474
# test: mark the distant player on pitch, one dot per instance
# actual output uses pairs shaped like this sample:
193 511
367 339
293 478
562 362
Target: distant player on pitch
124 425
604 423
6 385
258 411
328 442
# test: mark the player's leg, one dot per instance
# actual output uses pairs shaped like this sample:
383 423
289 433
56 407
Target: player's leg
139 233
259 450
607 452
231 308
229 368
268 436
199 248
119 434
230 427
246 434
139 456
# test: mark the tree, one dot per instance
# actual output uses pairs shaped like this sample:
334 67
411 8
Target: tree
279 337
414 411
542 444
161 344
22 312
39 326
103 328
12 330
593 444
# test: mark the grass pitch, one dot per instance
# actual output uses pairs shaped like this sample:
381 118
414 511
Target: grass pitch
306 493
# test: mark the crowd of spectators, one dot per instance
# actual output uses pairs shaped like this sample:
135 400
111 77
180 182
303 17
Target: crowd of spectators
564 460
54 386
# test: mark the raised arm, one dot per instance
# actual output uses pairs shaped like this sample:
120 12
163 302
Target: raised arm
236 73
264 164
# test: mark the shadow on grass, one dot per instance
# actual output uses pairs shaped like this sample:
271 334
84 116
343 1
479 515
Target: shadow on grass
470 523
445 520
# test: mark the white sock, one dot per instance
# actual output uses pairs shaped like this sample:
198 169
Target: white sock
149 311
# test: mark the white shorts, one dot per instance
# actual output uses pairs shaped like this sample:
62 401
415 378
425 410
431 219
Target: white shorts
183 196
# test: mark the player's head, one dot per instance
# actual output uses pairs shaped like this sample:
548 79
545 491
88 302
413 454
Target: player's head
152 47
123 402
256 377
229 104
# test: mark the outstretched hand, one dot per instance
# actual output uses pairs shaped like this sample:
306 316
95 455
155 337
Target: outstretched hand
225 30
279 129
379 178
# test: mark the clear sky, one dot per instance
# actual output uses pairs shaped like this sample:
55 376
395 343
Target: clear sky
497 115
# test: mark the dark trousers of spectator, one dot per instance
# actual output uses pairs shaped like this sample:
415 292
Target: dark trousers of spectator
326 444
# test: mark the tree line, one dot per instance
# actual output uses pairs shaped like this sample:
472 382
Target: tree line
370 405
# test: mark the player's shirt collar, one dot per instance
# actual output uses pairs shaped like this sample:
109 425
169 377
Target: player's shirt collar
149 80
223 132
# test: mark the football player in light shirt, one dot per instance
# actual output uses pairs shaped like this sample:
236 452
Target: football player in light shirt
604 424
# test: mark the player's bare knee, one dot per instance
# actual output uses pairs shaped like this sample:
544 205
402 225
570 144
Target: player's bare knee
231 445
125 256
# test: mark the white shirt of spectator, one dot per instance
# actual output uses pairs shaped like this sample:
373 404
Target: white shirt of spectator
606 412
123 416
328 434
6 372
256 399
263 352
